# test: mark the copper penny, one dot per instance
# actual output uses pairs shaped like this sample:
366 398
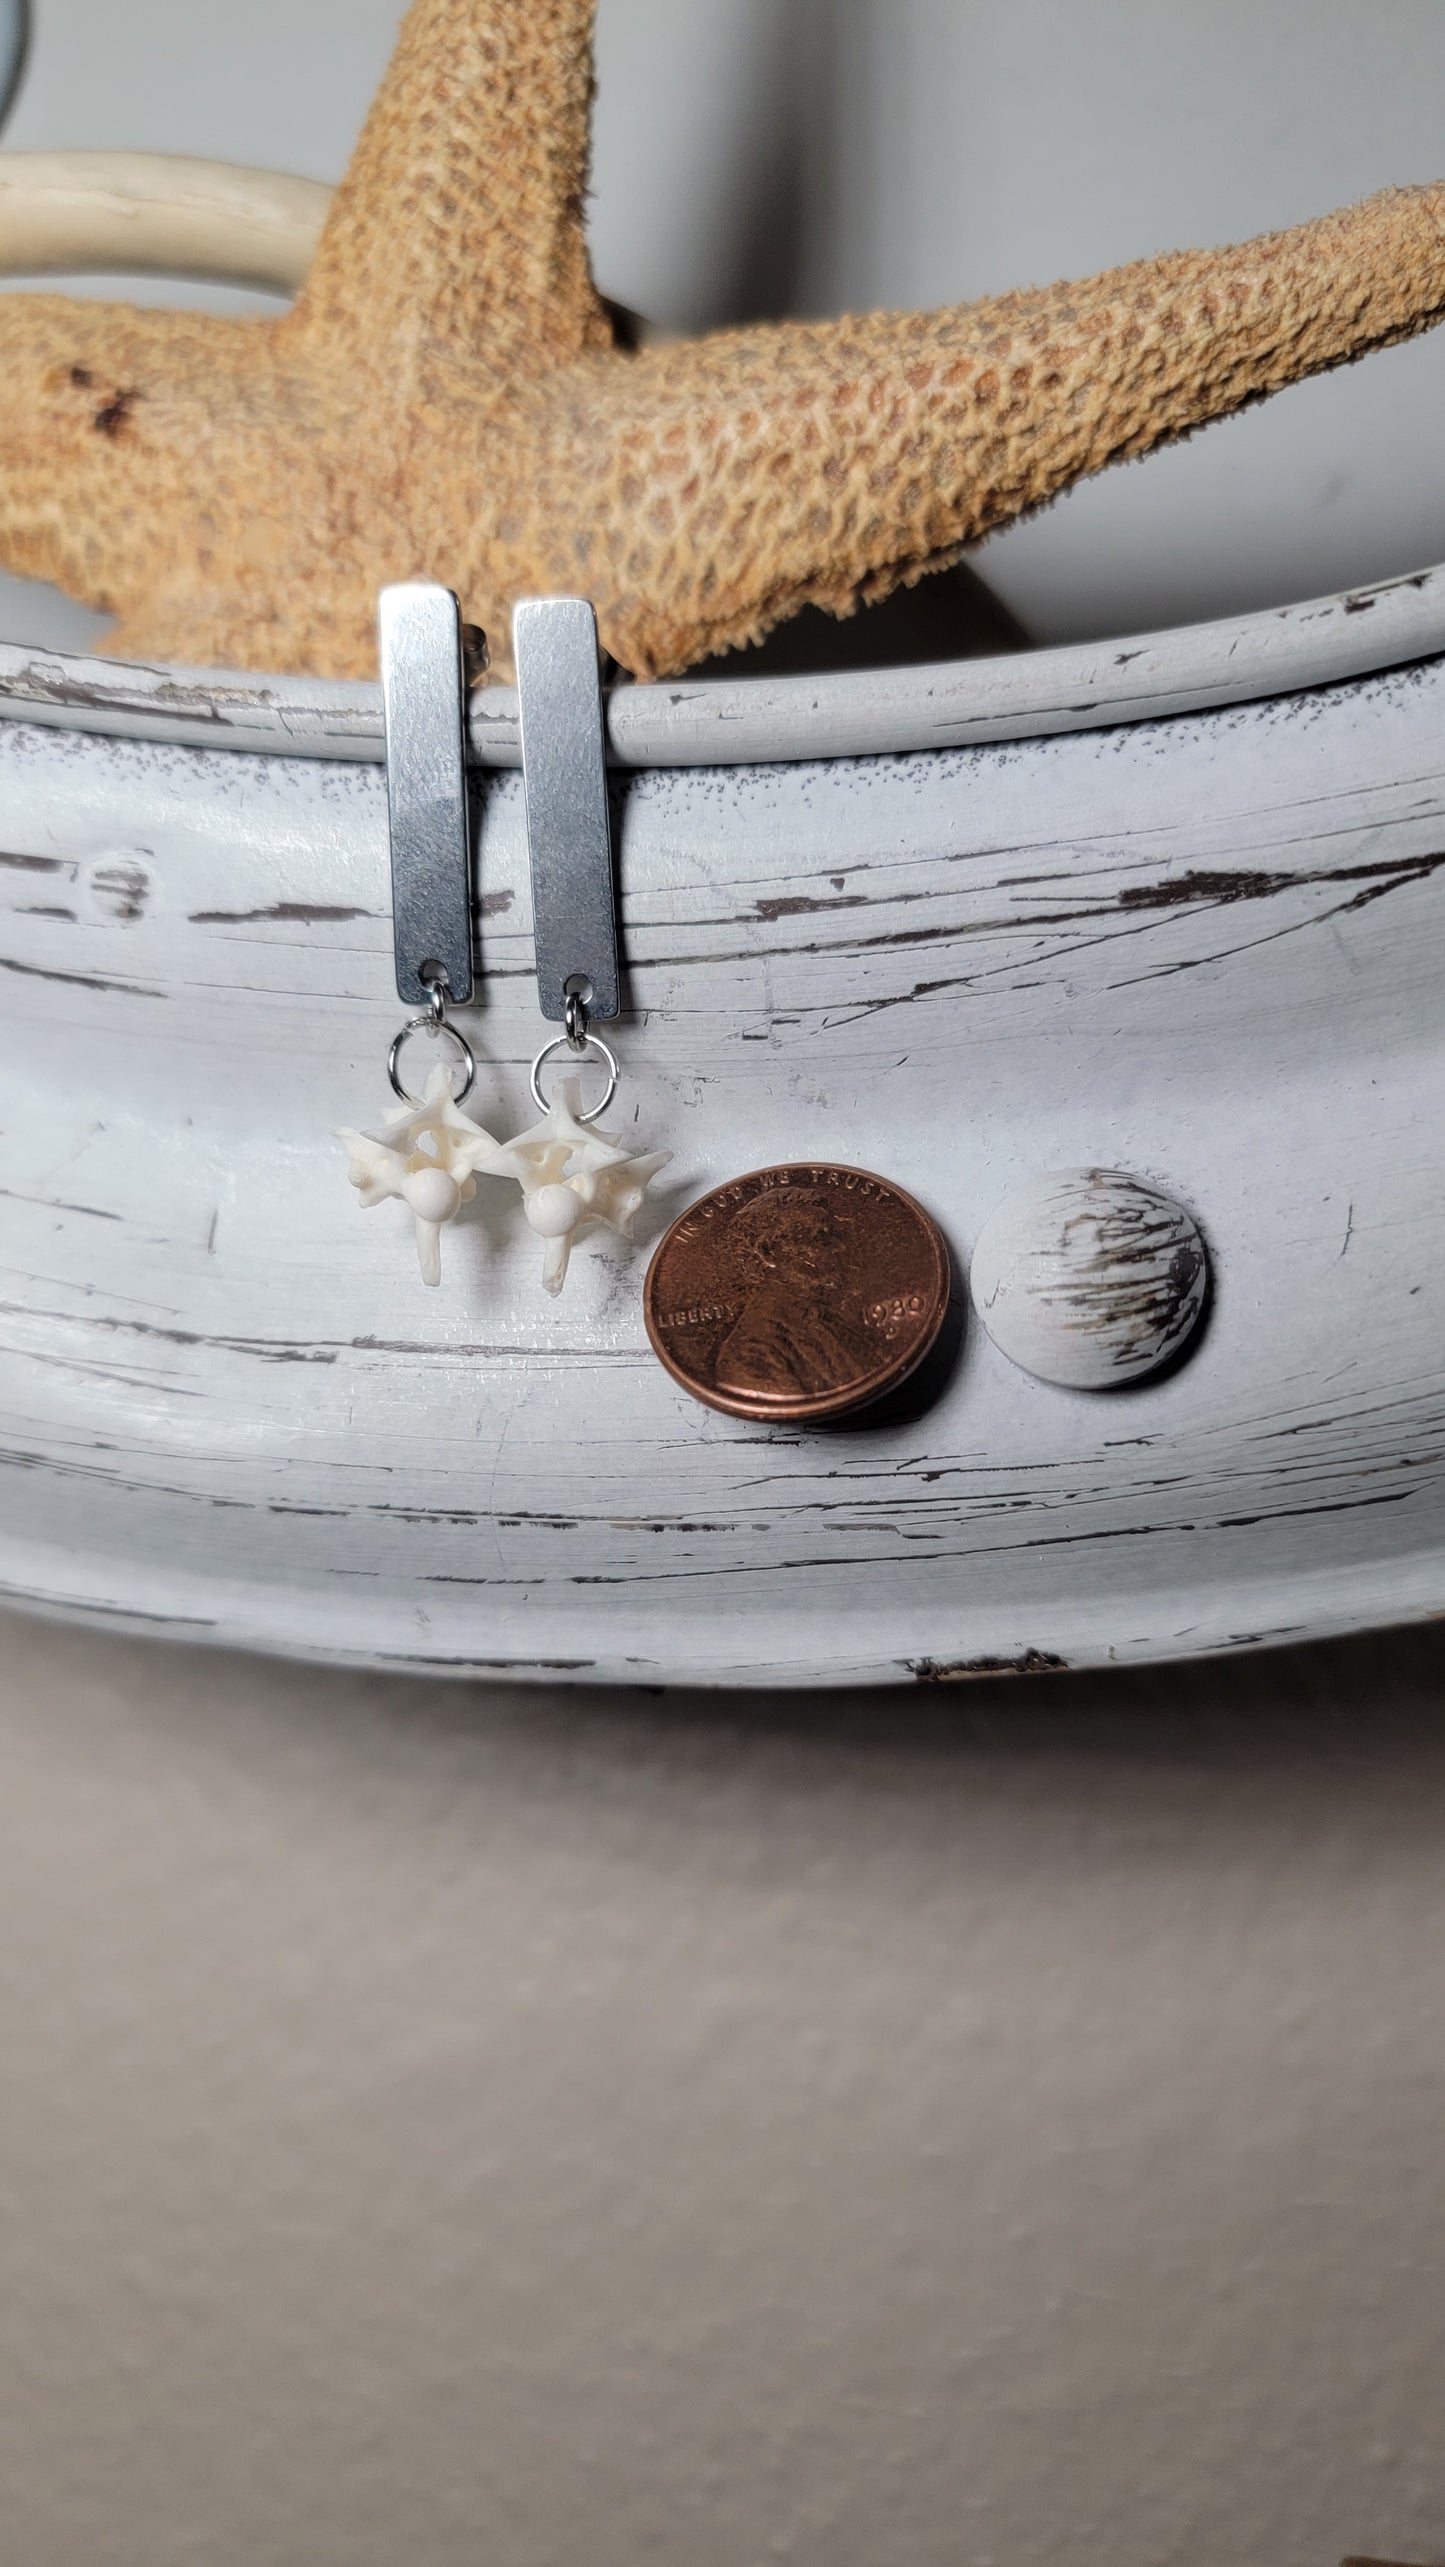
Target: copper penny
798 1292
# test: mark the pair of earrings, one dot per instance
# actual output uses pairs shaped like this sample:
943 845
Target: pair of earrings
429 1154
795 1293
574 1178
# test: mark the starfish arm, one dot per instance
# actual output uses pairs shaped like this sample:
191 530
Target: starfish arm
735 479
459 221
105 411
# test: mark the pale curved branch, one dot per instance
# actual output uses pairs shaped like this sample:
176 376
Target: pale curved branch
155 213
97 213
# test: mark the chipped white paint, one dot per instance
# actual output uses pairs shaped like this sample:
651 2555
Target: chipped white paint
1204 949
1089 1278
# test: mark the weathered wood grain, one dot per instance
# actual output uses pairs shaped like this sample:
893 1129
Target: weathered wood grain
1207 949
746 720
1089 1278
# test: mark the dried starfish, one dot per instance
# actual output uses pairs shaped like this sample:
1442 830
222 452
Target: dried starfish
446 399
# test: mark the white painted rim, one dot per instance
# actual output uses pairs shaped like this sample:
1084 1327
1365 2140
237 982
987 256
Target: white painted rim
686 722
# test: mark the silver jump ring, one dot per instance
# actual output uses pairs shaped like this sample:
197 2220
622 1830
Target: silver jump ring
576 1021
433 1023
435 1019
594 1043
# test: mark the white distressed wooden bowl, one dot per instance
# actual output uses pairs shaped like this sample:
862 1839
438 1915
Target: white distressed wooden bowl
233 1411
1174 906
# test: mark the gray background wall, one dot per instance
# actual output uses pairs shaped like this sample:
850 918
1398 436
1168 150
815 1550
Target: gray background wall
1001 2125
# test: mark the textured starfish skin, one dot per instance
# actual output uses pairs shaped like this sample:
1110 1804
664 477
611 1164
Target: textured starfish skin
445 400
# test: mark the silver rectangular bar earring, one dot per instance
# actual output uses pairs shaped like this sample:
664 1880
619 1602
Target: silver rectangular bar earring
574 1177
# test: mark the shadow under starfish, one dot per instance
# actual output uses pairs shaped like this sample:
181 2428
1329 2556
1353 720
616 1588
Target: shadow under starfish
447 399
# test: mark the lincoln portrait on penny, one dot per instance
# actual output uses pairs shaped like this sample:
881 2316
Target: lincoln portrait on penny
791 1340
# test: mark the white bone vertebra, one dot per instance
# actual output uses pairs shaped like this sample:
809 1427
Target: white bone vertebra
425 1156
574 1178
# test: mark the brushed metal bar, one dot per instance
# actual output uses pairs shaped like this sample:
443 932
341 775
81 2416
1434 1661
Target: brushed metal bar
564 772
424 714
